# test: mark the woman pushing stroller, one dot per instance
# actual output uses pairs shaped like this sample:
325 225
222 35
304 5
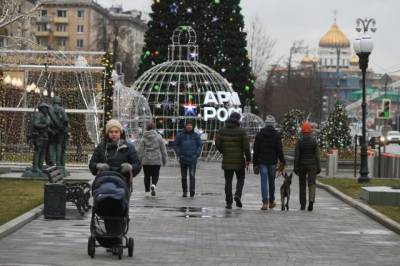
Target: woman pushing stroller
115 153
115 163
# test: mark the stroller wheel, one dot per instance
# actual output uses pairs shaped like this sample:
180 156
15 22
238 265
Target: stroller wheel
120 252
131 245
91 247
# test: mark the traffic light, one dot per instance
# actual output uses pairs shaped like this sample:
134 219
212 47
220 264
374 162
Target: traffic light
384 113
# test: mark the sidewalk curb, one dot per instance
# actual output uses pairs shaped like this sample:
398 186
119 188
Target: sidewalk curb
370 212
15 224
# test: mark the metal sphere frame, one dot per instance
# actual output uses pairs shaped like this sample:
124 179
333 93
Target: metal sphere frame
175 91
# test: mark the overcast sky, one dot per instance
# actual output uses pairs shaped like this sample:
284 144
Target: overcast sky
308 20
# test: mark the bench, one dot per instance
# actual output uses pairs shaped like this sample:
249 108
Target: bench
57 193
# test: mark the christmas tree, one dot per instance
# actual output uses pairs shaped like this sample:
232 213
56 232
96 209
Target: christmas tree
220 32
336 131
290 125
107 62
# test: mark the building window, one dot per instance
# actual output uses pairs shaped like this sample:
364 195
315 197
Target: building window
2 42
42 27
80 28
61 42
331 62
326 62
61 28
81 13
43 13
42 41
79 43
62 13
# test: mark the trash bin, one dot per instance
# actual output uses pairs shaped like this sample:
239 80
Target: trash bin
332 164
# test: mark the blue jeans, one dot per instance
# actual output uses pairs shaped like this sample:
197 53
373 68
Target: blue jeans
267 173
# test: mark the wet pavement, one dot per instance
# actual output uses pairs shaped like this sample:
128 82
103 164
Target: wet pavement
171 230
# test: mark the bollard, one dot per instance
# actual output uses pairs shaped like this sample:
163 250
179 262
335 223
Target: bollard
371 167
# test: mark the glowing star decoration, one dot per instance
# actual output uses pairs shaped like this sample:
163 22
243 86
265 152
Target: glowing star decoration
173 8
193 55
190 109
189 85
214 19
223 70
173 83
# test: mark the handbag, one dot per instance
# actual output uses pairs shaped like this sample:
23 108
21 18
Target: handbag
256 169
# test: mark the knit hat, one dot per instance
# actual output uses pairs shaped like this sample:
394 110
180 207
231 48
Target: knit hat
113 123
306 128
149 125
270 120
235 116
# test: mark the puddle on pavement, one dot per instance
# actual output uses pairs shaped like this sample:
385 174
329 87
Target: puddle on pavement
366 232
193 212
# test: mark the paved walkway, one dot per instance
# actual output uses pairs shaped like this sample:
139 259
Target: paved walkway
170 230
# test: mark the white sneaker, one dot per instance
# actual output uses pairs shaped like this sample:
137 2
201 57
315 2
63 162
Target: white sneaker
147 194
153 190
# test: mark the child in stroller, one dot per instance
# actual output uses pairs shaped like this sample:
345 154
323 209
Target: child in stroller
110 214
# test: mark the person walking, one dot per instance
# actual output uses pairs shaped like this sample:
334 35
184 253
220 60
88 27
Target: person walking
115 153
153 153
188 147
266 152
232 142
307 165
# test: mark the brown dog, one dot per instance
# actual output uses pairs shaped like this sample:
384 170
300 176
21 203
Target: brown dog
285 190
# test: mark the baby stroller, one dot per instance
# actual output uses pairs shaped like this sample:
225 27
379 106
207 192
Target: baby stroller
110 214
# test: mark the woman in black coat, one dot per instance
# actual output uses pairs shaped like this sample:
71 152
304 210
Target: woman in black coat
115 153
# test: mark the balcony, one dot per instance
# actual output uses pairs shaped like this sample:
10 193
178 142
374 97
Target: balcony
63 34
42 33
42 19
61 20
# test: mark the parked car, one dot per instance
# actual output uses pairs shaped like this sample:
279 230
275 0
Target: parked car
393 137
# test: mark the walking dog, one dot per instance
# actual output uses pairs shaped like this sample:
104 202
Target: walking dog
285 190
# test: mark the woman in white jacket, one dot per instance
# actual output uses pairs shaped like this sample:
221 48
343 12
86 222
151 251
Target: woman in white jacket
153 153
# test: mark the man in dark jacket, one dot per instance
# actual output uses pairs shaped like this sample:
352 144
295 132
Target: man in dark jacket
233 143
188 147
307 165
266 152
115 153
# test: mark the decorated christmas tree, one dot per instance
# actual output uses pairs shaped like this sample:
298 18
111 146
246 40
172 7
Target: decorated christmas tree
336 131
107 62
290 125
221 37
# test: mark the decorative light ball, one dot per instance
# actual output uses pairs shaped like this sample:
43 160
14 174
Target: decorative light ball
180 85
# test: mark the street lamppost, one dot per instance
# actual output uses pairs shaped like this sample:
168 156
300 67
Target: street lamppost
363 47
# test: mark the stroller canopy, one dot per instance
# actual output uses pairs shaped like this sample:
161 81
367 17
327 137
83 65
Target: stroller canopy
110 188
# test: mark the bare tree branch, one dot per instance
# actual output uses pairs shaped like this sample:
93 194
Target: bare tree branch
261 47
10 12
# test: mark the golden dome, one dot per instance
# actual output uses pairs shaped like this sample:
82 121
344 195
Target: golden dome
334 38
354 60
307 59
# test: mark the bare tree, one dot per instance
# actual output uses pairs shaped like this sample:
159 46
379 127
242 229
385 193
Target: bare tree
10 11
260 47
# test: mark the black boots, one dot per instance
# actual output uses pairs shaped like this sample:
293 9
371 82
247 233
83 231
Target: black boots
238 202
310 206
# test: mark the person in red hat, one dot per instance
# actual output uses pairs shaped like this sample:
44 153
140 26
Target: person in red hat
307 165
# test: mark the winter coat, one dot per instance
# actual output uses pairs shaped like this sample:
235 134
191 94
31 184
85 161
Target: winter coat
188 147
152 150
268 147
307 154
115 154
233 143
